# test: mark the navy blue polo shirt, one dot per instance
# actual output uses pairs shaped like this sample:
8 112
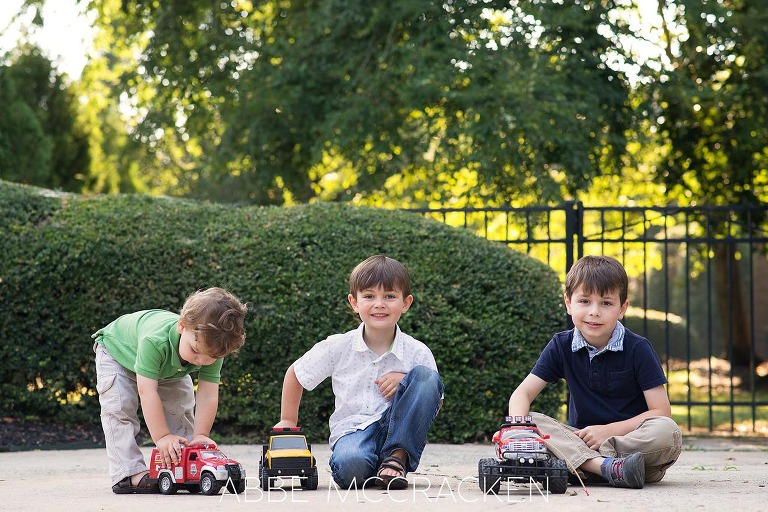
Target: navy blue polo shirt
608 388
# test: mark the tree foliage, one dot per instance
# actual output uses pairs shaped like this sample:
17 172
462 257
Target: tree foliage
461 102
41 140
261 102
710 105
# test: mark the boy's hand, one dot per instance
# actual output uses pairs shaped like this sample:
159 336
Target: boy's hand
200 439
285 424
388 384
594 435
169 447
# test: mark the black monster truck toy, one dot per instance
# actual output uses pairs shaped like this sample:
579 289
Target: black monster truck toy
522 456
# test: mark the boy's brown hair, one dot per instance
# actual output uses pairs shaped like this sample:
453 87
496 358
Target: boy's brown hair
219 317
597 274
382 271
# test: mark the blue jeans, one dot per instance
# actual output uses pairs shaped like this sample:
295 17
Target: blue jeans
356 456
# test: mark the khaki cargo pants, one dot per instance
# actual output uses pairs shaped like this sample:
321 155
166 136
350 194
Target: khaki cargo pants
119 399
658 438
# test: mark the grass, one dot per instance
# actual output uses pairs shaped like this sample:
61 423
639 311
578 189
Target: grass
693 384
719 418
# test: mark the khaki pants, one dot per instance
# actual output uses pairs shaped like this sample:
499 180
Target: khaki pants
119 399
658 438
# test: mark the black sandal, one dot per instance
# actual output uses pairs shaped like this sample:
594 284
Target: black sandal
143 487
393 481
124 486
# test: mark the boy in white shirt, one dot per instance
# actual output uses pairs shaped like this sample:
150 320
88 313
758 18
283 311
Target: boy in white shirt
386 383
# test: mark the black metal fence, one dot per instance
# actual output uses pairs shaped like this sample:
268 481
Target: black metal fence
698 291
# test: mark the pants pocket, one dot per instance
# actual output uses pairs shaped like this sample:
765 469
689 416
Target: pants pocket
109 395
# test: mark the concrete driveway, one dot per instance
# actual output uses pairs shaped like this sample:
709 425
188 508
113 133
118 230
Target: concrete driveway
712 474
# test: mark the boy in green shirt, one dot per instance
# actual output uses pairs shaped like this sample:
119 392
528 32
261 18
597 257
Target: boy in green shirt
146 358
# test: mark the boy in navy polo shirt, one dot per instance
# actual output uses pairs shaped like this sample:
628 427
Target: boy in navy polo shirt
619 416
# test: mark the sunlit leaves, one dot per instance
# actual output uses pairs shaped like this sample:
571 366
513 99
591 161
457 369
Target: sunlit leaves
252 92
713 112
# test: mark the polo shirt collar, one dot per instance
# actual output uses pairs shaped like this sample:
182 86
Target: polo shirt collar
397 347
615 344
175 339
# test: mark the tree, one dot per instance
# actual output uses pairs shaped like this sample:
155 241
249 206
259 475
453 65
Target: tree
260 102
711 105
710 108
41 141
20 128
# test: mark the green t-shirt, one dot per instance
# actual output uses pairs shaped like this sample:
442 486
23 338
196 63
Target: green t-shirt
147 342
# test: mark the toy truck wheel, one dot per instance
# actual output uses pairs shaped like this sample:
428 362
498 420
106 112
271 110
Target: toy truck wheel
208 484
558 476
166 485
264 478
488 483
310 483
236 487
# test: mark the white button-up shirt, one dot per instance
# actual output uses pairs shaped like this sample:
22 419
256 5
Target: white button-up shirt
353 369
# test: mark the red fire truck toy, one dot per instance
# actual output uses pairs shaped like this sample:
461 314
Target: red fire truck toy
522 456
201 468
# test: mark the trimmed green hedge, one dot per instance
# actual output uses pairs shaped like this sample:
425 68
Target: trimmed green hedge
70 264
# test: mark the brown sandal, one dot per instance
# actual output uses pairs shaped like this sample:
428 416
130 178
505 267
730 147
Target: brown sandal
393 481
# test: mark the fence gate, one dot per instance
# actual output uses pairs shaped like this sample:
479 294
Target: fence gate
698 291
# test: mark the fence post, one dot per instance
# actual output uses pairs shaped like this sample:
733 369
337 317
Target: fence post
574 244
574 240
690 231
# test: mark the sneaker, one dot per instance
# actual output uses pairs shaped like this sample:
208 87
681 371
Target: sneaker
626 472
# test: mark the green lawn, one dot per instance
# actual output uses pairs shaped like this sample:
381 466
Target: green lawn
718 417
721 418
